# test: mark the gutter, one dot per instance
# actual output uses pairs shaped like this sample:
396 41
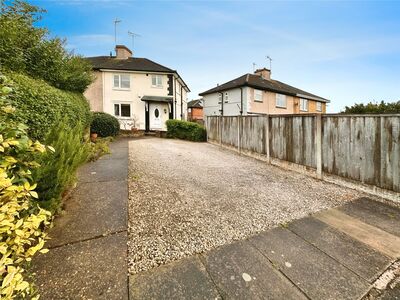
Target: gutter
222 103
241 101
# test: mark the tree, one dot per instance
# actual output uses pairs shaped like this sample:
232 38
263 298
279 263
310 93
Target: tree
27 49
373 108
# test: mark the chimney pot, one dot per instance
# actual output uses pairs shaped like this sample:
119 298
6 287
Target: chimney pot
123 52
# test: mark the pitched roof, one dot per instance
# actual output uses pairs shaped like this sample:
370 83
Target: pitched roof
256 81
195 103
130 64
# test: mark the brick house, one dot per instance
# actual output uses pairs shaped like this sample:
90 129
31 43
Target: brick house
195 110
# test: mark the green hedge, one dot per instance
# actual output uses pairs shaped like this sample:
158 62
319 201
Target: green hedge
59 119
41 106
104 124
186 130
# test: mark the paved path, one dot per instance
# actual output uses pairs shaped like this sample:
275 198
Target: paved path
88 252
334 254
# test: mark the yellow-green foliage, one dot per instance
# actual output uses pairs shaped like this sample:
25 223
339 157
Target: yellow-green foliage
22 221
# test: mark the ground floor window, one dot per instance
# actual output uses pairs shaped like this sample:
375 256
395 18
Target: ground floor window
122 110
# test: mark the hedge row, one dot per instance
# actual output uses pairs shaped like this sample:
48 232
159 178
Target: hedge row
186 130
41 106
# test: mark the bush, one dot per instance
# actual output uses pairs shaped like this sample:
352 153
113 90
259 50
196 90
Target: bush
57 171
104 124
41 106
186 130
22 220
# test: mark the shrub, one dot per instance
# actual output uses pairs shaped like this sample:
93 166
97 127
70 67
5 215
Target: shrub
186 130
41 106
57 171
22 220
104 124
99 148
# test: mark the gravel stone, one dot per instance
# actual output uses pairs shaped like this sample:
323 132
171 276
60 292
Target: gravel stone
187 198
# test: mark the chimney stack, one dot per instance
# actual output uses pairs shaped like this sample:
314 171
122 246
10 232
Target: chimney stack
264 73
123 52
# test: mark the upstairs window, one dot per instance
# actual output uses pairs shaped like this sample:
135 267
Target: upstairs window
156 81
280 100
319 106
303 104
122 110
219 98
122 81
258 96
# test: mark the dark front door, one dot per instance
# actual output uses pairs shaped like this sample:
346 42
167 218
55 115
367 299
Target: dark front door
147 116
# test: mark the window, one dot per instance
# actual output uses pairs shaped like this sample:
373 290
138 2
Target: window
219 98
280 101
258 96
226 97
303 104
319 106
156 113
122 110
122 81
156 81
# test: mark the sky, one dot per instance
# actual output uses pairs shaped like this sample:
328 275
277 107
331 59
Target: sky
344 51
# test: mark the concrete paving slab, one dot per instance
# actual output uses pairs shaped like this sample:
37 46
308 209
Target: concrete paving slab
355 255
242 272
102 170
315 273
94 269
185 279
391 294
376 238
378 214
94 209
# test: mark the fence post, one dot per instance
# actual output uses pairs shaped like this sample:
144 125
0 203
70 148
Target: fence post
267 138
318 144
220 130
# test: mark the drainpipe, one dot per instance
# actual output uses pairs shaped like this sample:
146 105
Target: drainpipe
241 101
222 103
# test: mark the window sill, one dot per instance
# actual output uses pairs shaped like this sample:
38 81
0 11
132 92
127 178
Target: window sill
259 101
282 107
123 118
121 89
302 110
157 86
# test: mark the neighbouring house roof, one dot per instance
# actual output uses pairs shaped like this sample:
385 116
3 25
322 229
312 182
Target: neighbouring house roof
195 104
257 82
157 99
130 64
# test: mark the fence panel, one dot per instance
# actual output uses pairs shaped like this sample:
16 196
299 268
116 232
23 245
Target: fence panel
364 148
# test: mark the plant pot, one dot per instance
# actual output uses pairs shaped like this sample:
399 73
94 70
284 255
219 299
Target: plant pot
134 130
93 137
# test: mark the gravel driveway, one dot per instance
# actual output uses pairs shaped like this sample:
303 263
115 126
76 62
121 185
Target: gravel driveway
186 198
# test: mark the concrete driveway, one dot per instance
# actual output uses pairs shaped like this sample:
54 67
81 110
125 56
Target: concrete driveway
187 198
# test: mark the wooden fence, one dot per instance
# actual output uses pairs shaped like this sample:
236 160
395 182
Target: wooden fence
364 148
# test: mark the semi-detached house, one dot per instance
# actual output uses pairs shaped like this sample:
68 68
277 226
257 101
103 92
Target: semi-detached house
259 94
139 92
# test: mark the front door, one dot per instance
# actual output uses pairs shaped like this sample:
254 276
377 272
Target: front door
155 116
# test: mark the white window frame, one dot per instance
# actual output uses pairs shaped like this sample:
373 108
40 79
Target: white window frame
120 110
319 106
258 95
303 104
158 81
219 98
226 97
119 86
280 101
